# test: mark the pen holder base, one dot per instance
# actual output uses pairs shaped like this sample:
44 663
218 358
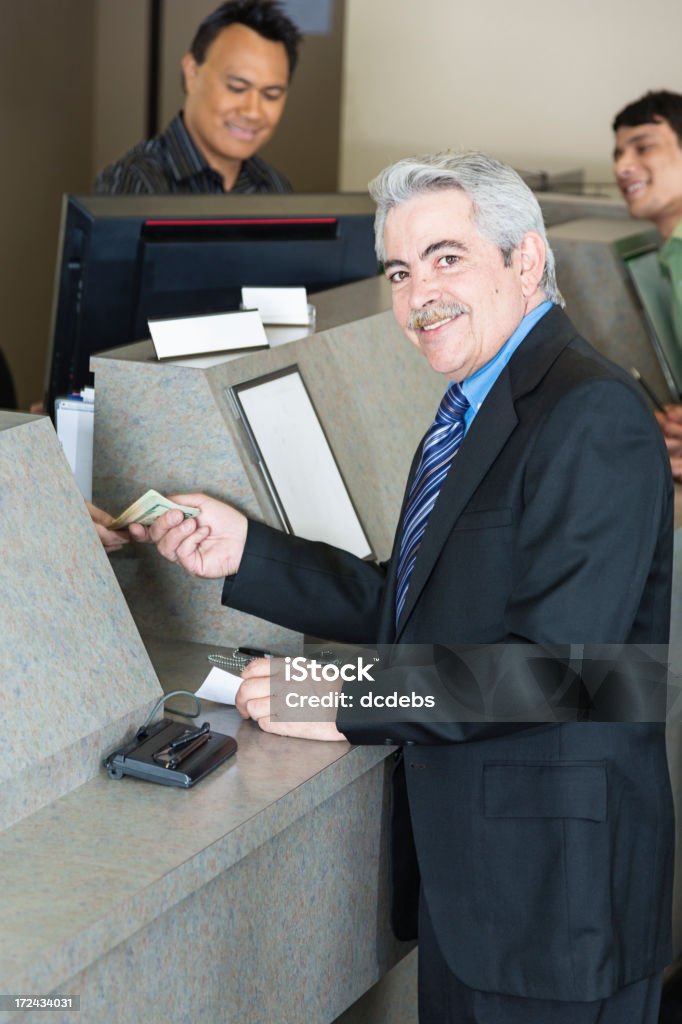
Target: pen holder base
137 757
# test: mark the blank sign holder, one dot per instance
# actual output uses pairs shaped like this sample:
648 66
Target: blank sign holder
296 461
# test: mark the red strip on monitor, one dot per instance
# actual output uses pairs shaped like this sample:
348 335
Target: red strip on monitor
241 220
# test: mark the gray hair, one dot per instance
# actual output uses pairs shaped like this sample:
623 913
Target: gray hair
504 207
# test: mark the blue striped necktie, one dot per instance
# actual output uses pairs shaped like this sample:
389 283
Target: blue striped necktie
440 446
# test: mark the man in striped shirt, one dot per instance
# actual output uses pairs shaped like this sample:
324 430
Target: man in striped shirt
236 78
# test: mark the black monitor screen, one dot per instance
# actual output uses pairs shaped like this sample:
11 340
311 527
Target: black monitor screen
125 259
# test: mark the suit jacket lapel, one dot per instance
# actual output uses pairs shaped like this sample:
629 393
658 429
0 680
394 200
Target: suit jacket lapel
482 444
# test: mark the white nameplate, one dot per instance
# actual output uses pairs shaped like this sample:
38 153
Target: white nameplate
200 335
278 305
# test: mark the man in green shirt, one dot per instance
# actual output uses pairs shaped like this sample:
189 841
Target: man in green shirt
647 160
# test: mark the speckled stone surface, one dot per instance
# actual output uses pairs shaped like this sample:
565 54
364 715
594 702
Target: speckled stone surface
289 934
258 896
73 670
598 299
174 428
557 207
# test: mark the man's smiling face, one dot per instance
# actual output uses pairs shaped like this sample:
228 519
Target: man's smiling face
236 97
452 293
647 162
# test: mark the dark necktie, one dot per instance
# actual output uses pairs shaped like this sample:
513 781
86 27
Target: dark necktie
440 446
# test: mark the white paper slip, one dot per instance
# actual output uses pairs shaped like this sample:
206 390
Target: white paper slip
278 305
201 335
220 686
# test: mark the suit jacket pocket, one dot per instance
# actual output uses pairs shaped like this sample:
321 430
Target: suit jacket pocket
543 869
545 790
484 518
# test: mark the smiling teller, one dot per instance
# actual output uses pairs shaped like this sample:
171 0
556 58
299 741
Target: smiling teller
236 79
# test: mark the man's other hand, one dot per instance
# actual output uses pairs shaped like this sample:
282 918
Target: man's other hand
670 423
210 545
253 701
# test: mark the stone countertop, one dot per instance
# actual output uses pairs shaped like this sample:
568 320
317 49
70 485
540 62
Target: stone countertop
90 869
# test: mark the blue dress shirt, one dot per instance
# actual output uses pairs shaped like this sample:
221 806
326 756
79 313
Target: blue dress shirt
476 388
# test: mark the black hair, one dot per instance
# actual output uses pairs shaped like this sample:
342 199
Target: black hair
262 16
651 108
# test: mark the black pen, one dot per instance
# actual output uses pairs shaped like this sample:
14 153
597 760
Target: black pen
254 652
647 390
187 737
171 757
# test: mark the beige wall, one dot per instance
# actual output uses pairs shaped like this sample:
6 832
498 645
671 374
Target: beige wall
121 42
535 84
46 125
180 21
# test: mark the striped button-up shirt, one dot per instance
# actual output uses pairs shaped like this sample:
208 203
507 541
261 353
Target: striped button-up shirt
171 163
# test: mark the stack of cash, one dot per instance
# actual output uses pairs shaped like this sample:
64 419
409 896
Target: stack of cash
147 509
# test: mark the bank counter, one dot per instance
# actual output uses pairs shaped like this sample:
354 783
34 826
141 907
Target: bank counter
260 895
257 896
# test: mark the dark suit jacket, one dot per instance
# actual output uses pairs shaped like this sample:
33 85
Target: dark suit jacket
546 851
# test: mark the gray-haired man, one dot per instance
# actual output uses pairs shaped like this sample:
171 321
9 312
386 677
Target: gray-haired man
538 511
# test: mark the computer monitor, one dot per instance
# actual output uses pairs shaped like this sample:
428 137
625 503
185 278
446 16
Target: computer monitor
639 254
125 259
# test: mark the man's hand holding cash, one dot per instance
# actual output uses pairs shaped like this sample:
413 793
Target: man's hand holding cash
147 509
204 535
